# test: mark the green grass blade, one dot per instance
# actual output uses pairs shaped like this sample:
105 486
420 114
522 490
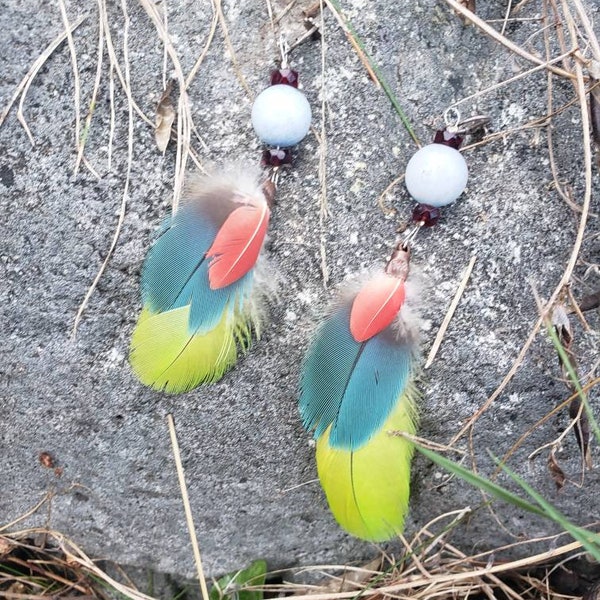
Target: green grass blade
377 71
562 353
491 488
589 540
231 585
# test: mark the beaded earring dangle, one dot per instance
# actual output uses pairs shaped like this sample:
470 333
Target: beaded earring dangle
202 283
357 380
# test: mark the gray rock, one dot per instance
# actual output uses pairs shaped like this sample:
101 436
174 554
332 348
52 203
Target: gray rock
248 462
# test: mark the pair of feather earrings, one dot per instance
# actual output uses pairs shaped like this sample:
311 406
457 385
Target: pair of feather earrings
201 297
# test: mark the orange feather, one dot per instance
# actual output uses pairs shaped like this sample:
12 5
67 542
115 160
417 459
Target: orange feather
376 306
237 244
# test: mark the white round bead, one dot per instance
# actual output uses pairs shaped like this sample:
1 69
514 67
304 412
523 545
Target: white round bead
436 175
281 116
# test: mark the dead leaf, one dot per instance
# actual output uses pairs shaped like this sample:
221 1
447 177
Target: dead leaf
5 546
582 430
165 117
557 474
562 326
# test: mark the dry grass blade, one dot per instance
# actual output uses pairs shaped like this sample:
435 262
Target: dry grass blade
563 193
232 54
46 498
481 24
42 563
450 313
588 28
385 209
211 35
76 555
510 80
186 505
372 68
125 195
507 378
26 82
76 81
540 422
184 122
92 105
114 62
359 51
430 567
323 205
579 83
184 119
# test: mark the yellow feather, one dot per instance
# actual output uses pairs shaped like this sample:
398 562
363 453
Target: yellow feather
368 489
165 356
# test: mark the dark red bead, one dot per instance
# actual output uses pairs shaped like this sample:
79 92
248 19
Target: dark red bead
443 136
428 215
285 76
276 157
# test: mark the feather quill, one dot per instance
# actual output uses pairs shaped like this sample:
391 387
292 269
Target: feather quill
200 295
356 391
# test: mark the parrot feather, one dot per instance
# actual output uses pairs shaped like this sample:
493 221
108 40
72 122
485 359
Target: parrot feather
191 331
351 385
166 356
237 244
376 306
356 388
368 489
175 259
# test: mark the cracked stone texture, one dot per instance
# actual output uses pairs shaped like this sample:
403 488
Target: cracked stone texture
249 464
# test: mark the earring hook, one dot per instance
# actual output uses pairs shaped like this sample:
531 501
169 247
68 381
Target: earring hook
284 50
455 125
410 235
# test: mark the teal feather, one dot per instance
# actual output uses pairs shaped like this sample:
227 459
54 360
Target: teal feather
199 287
352 386
175 272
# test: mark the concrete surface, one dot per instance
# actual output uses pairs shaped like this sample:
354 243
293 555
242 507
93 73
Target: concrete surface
248 462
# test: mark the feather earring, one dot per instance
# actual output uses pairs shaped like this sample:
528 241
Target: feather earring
199 292
201 289
357 386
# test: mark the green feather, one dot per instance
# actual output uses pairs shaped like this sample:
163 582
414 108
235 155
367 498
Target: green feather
166 356
368 489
